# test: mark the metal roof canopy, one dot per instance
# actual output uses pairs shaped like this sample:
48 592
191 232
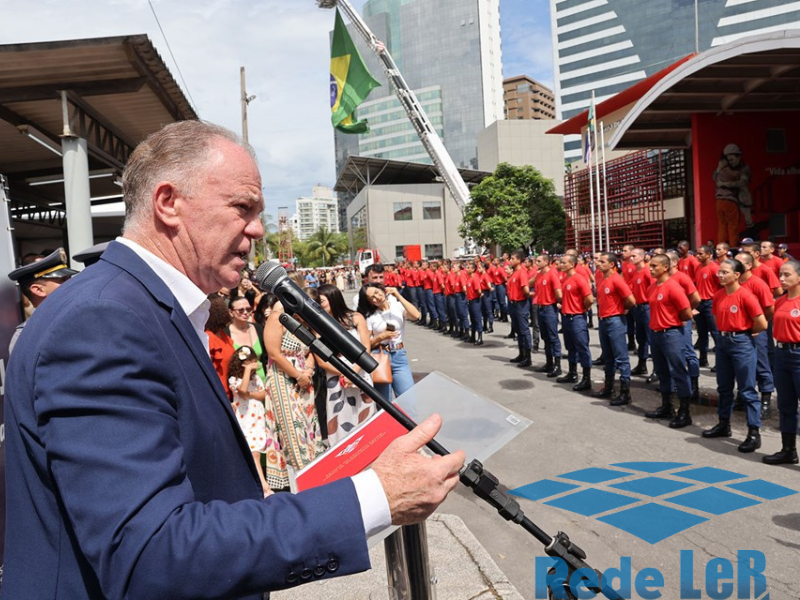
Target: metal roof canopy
754 74
118 91
361 171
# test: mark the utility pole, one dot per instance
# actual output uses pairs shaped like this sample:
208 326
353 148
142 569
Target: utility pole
245 101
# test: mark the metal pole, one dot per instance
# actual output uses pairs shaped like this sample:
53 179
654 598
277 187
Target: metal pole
591 192
244 104
696 27
605 185
597 178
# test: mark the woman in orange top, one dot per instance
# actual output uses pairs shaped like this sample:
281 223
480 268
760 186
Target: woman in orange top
220 344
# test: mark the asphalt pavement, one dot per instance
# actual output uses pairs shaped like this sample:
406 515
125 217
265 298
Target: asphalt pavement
684 515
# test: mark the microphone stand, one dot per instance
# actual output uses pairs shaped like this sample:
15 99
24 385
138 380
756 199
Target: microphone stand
483 484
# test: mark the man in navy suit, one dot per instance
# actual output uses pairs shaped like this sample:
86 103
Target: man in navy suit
127 473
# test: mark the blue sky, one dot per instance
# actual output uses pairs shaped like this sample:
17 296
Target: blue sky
283 45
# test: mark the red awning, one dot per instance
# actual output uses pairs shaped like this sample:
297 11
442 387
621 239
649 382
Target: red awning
623 98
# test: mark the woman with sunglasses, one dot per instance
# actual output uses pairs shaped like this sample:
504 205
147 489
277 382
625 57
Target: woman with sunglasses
244 332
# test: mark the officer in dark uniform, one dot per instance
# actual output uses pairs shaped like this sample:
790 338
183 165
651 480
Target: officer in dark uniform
38 280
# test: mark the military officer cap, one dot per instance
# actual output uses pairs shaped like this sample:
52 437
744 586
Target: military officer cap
53 266
91 255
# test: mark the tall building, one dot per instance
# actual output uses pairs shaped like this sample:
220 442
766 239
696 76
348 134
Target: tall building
449 53
315 211
606 46
526 98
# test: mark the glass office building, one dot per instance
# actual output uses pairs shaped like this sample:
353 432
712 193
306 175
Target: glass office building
606 46
449 53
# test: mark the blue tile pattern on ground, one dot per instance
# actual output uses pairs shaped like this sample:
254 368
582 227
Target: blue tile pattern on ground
542 489
709 475
592 502
652 486
594 475
763 489
652 522
714 501
651 467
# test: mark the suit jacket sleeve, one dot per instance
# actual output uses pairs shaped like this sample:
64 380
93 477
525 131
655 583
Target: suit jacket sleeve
108 403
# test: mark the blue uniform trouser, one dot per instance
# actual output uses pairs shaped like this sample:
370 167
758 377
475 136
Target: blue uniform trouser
706 325
669 360
422 304
441 306
475 315
452 311
548 328
461 310
576 339
535 336
486 307
431 304
502 299
641 315
519 316
692 362
787 382
614 346
736 361
413 296
764 378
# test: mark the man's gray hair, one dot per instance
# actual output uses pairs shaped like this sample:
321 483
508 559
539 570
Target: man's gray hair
175 153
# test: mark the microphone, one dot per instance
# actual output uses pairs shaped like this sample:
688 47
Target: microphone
272 277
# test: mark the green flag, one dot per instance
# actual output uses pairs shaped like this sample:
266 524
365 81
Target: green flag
351 82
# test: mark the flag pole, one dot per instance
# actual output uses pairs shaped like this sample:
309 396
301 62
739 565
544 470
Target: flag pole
605 184
597 176
591 188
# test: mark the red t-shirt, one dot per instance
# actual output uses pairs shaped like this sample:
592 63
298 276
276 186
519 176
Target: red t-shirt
561 275
473 286
412 278
683 280
767 275
497 274
774 264
736 311
426 279
486 281
641 282
449 284
689 265
598 278
786 324
438 281
666 302
585 271
463 278
611 294
628 273
760 290
574 290
545 288
516 283
706 280
532 272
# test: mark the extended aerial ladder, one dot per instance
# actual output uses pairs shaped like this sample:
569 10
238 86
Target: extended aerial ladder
427 134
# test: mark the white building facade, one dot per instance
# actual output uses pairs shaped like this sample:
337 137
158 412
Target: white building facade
315 211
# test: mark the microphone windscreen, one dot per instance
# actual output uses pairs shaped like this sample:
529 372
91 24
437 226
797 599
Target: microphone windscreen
268 274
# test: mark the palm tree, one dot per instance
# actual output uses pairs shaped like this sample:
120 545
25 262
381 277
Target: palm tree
325 245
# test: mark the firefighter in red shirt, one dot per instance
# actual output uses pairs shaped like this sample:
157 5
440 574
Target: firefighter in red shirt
533 270
438 295
687 263
739 316
473 295
764 380
487 295
614 299
627 272
707 283
669 310
688 287
576 299
518 294
640 283
498 275
546 295
450 299
786 328
768 258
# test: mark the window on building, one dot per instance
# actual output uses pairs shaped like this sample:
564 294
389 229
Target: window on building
433 251
399 252
402 211
523 88
431 210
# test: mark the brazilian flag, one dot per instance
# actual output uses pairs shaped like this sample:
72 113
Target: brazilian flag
351 82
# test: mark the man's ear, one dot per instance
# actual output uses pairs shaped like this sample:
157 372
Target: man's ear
166 198
37 289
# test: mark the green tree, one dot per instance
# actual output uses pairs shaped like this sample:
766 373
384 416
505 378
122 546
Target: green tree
515 207
324 248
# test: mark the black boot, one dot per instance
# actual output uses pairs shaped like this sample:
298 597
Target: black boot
624 394
469 337
721 429
546 367
599 361
456 332
511 336
713 369
490 329
607 390
766 409
590 325
683 418
703 359
585 383
571 376
526 361
519 357
788 453
752 442
640 368
631 346
695 390
652 378
479 339
556 370
665 411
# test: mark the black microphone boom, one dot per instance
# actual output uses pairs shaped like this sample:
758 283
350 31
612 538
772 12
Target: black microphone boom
272 277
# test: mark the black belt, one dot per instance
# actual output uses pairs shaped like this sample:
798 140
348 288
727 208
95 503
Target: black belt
643 304
668 329
545 305
517 301
611 317
787 345
730 334
569 316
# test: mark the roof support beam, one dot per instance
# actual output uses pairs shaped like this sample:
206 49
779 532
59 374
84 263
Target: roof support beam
144 70
52 91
